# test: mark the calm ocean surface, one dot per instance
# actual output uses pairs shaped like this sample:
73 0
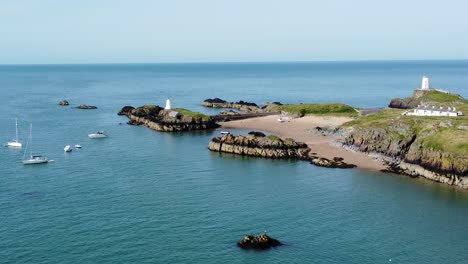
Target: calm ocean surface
141 196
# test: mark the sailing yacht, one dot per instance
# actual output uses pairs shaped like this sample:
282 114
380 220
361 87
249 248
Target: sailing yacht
33 159
15 142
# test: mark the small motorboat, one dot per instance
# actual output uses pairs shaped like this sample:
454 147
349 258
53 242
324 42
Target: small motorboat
224 132
67 148
77 146
99 134
281 120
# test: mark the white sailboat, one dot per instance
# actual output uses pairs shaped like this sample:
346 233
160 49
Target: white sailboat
15 142
33 159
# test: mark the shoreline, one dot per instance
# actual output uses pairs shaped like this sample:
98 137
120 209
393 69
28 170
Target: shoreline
321 145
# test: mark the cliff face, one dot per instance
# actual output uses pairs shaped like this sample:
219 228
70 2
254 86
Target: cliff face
411 152
259 145
159 119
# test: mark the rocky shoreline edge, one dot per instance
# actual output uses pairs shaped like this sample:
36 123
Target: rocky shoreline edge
159 119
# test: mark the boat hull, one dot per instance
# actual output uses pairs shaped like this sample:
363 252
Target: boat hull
14 144
96 136
35 161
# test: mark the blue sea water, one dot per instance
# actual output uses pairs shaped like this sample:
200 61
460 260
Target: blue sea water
142 196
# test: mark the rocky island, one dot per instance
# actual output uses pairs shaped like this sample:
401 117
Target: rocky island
83 106
258 242
245 107
171 120
258 144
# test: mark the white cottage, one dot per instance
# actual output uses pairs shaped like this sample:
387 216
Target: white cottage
433 111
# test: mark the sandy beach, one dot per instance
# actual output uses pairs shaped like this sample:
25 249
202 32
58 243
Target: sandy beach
298 129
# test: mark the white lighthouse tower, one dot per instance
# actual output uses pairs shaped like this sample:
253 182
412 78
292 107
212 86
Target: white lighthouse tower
425 83
168 104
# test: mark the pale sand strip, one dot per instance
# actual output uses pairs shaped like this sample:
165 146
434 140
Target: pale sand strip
297 129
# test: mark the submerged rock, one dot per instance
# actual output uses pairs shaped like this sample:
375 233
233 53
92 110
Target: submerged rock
64 103
83 106
258 242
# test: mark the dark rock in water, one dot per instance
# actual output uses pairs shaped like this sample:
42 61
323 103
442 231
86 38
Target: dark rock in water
125 110
258 242
64 103
257 134
337 162
83 106
246 103
133 123
241 105
215 101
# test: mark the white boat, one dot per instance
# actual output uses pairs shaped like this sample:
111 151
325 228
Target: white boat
99 134
77 146
67 148
33 159
281 120
15 142
224 132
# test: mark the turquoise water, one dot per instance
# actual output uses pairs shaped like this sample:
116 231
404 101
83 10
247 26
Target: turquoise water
141 196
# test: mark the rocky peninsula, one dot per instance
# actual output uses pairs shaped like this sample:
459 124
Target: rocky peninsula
159 119
258 144
428 146
431 147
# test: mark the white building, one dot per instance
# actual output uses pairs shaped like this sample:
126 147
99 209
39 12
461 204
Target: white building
425 83
168 105
433 111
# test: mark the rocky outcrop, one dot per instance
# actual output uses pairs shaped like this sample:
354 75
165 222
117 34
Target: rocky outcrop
337 162
241 105
420 97
229 113
271 107
403 146
64 103
258 242
157 118
83 106
125 110
258 145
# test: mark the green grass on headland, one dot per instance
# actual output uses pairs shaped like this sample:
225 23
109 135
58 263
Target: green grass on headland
195 115
443 97
333 109
438 133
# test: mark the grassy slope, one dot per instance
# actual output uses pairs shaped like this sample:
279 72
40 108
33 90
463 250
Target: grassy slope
334 109
195 115
449 139
447 100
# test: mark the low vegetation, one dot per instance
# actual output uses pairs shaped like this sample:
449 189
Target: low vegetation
195 115
333 109
445 134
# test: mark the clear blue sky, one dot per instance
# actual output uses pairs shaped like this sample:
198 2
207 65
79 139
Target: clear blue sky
109 31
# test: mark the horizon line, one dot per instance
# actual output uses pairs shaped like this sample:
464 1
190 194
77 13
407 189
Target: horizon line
227 62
